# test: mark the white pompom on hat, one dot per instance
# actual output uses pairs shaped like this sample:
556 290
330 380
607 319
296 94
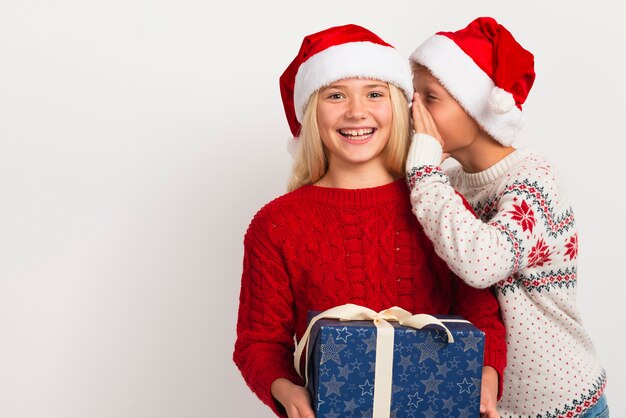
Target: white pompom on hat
486 70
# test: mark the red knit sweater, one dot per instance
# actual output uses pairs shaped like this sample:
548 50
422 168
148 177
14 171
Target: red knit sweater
316 248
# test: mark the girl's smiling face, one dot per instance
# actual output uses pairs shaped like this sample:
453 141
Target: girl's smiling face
354 117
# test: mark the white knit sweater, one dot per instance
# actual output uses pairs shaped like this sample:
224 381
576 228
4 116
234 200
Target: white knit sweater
523 241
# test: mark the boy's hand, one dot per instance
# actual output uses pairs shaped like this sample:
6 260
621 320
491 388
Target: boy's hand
489 393
294 398
423 122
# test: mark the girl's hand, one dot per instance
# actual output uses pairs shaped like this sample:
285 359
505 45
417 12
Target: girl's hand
294 398
489 393
423 122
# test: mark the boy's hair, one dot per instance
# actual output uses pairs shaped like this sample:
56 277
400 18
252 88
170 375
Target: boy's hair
311 162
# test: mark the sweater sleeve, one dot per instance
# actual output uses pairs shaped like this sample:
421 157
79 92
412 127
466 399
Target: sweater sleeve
265 326
482 253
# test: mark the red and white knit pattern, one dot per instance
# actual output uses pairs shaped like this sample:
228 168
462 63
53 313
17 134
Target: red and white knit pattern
525 244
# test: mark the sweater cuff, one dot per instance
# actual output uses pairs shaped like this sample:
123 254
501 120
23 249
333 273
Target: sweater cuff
497 360
424 150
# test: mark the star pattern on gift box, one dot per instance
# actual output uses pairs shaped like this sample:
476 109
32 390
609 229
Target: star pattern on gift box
320 402
356 365
465 413
441 336
449 404
474 364
324 371
442 370
430 349
465 386
432 384
454 363
414 400
405 361
471 342
395 389
477 382
367 388
345 371
430 413
350 406
330 351
370 342
343 334
423 368
431 377
333 386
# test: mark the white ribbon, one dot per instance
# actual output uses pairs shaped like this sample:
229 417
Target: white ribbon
384 344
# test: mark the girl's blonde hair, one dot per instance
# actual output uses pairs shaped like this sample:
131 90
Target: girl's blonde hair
311 162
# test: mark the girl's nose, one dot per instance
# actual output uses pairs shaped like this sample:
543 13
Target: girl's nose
356 109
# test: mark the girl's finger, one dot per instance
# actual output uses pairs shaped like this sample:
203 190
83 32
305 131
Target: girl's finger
292 412
306 412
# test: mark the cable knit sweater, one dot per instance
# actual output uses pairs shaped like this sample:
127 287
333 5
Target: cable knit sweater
316 248
525 243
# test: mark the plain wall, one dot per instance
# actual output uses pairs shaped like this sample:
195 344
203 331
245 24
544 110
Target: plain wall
138 138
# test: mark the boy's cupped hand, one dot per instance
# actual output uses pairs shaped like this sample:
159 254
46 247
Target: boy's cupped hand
423 122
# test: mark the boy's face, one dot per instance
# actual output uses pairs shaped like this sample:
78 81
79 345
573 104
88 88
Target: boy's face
458 130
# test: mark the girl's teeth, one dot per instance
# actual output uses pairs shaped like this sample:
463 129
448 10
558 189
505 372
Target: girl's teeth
359 132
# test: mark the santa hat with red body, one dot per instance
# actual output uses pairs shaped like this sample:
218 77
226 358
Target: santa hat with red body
486 70
337 53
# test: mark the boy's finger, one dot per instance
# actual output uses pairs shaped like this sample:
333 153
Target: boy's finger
427 122
420 114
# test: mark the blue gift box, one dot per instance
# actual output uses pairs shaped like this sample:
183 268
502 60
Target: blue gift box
431 377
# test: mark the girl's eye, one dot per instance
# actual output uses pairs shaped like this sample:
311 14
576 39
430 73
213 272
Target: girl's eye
334 96
375 94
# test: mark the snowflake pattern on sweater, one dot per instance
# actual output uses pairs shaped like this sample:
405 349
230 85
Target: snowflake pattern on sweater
523 242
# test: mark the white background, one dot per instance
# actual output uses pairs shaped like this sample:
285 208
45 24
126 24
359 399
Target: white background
138 138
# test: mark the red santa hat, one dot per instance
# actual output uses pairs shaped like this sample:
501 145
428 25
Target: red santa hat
486 70
338 53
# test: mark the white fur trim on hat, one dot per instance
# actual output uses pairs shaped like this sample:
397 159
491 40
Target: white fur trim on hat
471 87
353 59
